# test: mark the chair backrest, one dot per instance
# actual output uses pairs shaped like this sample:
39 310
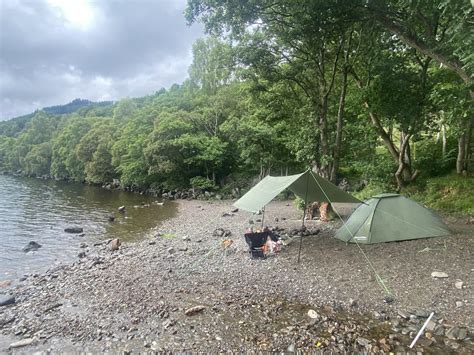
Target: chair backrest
256 240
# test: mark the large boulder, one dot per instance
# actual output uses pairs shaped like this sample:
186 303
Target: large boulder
31 246
74 230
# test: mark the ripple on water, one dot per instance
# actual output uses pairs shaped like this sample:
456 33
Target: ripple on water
39 210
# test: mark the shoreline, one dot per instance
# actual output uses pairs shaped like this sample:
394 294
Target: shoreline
160 193
135 298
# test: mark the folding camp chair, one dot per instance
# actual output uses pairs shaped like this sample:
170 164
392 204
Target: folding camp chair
256 242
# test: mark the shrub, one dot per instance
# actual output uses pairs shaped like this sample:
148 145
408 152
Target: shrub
451 193
200 182
374 187
429 160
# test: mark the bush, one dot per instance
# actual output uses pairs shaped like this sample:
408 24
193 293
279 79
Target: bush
299 203
429 160
451 193
373 188
200 182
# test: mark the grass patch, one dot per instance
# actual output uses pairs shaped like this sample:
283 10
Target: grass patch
451 193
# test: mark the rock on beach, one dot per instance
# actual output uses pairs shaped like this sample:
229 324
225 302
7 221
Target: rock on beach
115 244
439 275
22 343
154 296
6 300
193 310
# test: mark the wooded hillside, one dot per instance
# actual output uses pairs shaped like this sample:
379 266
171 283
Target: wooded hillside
379 92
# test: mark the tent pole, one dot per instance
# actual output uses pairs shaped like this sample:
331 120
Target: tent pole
304 216
263 215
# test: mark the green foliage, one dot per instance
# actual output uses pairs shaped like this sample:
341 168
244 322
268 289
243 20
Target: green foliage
212 65
8 158
373 188
201 182
65 163
269 97
38 160
451 193
430 160
299 203
378 167
94 149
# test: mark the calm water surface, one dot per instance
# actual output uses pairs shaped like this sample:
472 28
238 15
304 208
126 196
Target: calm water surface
39 210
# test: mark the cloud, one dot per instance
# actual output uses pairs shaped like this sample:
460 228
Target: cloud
52 51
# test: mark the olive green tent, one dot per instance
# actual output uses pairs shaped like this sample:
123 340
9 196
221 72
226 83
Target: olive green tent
308 186
390 217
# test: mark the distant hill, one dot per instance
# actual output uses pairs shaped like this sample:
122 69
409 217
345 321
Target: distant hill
74 106
12 126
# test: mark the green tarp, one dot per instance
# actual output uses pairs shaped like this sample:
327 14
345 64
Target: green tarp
307 184
390 217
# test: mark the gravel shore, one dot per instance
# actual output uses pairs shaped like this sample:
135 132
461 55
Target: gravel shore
138 298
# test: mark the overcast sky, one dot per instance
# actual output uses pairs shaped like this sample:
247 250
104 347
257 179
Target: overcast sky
53 51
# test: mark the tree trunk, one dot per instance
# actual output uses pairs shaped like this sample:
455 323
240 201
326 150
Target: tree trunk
324 169
443 137
469 147
404 173
340 122
464 142
325 88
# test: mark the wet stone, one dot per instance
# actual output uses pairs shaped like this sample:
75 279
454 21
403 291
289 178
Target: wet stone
6 300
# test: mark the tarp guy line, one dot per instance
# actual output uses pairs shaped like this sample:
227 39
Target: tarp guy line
378 278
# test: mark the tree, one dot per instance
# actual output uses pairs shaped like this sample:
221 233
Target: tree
64 162
94 149
453 107
124 110
212 65
439 30
296 42
128 151
8 157
38 160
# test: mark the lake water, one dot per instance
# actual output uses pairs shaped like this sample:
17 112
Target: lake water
40 210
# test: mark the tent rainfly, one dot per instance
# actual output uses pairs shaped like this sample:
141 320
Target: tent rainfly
390 217
308 186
